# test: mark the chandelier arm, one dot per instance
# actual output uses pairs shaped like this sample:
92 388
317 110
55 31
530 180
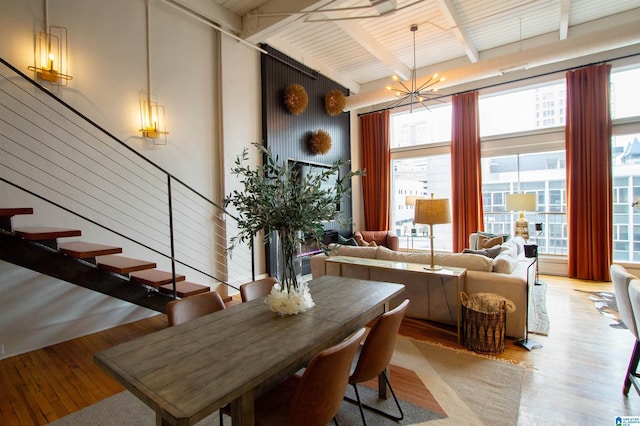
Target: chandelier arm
427 84
397 102
425 105
406 89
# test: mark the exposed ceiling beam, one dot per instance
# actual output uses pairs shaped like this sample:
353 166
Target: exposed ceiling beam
265 21
451 14
216 13
565 7
363 38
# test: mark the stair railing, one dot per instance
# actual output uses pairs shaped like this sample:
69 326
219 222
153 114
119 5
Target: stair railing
53 152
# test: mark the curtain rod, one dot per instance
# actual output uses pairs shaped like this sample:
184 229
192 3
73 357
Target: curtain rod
489 86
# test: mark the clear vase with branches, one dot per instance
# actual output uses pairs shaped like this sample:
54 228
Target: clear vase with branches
276 198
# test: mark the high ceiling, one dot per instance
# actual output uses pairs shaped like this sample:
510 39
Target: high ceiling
362 43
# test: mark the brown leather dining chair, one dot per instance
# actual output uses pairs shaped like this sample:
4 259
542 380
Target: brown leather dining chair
374 357
192 307
256 289
313 398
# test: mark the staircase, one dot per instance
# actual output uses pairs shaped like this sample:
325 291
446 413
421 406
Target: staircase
94 266
55 158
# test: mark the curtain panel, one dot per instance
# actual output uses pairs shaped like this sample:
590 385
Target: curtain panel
466 173
375 149
589 173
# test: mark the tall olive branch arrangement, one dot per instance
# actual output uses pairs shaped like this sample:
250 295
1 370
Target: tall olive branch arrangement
276 198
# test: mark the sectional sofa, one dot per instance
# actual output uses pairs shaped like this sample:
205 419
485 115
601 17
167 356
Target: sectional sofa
508 275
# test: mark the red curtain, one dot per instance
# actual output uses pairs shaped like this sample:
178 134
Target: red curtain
589 174
376 161
466 175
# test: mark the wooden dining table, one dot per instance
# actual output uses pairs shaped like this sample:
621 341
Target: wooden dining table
187 372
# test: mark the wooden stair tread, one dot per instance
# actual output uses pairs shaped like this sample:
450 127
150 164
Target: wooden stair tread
38 233
184 288
84 250
16 211
123 265
154 277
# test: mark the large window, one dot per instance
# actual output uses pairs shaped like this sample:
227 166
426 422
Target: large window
421 127
523 110
419 177
626 190
522 136
542 174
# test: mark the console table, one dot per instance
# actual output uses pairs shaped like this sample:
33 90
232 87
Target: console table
430 277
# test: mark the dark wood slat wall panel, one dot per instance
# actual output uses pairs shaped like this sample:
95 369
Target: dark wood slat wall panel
287 135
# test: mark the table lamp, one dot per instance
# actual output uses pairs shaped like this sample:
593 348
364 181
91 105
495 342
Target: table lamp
410 201
522 203
432 211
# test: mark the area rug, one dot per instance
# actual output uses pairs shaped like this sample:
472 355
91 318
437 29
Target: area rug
539 318
605 303
441 386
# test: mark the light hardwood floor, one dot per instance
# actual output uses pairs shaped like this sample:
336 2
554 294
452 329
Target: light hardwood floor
575 379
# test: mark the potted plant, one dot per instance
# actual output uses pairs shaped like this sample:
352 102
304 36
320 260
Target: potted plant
276 199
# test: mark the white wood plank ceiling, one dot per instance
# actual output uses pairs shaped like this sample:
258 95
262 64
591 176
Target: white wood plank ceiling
361 43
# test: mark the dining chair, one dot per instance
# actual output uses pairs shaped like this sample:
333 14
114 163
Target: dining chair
374 357
256 289
313 398
629 316
192 307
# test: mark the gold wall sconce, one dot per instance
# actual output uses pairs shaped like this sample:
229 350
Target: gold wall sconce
52 58
152 119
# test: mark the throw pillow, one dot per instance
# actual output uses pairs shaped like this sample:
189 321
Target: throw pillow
487 242
505 237
490 252
347 241
364 243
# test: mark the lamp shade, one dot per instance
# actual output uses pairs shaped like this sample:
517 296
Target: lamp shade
522 202
432 211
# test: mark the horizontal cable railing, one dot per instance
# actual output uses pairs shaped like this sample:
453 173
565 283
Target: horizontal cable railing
54 153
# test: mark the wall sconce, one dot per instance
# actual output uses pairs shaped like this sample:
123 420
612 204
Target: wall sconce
52 58
152 119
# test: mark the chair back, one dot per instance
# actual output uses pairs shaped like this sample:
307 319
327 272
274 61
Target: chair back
634 296
192 307
378 347
320 391
257 289
621 278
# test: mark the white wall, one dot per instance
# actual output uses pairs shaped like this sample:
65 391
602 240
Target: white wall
107 58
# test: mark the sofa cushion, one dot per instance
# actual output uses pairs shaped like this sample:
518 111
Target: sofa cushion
504 264
384 253
474 262
488 242
489 252
507 261
473 238
365 252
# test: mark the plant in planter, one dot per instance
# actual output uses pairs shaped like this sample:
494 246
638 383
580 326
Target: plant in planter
276 198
